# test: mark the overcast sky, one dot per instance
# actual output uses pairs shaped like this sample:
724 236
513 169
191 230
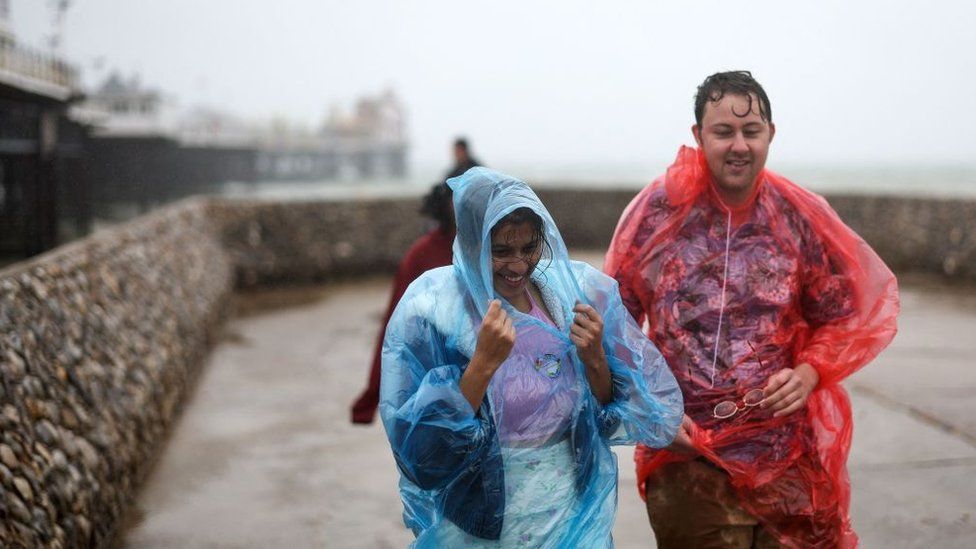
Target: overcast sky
560 82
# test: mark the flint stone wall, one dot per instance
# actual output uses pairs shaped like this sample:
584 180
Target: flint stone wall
273 243
304 242
924 235
911 234
101 340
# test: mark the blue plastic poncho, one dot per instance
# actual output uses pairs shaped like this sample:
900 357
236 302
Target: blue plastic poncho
532 466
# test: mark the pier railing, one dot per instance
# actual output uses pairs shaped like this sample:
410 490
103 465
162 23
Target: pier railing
45 70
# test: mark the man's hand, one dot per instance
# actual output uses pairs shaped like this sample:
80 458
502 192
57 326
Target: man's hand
789 388
682 442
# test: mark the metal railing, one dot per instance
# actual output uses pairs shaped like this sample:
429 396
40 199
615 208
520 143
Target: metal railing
38 66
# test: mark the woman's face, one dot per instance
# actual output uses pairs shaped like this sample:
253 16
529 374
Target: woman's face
515 251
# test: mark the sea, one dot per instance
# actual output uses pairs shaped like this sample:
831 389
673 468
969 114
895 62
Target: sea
945 181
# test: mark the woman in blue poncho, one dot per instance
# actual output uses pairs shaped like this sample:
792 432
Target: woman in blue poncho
506 377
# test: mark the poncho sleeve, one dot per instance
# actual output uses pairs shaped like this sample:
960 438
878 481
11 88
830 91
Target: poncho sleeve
432 429
624 251
849 297
647 406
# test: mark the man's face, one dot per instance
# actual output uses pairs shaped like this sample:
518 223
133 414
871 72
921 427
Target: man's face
460 154
735 140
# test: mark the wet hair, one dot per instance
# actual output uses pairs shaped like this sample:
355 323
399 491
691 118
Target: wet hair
716 86
526 215
519 216
436 205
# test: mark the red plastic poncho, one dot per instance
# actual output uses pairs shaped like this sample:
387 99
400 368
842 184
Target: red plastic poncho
733 295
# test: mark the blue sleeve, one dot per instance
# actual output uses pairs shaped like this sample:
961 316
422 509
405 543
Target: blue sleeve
647 406
434 433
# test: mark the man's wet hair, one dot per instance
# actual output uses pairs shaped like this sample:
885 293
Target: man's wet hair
716 86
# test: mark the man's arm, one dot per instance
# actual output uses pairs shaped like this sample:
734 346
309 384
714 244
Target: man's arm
636 226
849 298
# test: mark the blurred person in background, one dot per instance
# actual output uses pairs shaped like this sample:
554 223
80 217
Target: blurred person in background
463 159
762 301
431 250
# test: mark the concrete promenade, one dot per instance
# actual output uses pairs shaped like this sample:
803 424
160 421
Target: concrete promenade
264 455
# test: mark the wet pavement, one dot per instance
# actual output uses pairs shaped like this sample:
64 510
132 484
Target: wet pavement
264 454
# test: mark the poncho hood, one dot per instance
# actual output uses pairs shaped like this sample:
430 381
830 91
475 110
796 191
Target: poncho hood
482 198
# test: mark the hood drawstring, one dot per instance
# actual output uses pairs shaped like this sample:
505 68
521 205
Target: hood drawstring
725 279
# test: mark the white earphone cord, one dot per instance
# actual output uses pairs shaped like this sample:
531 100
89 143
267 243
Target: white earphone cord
725 278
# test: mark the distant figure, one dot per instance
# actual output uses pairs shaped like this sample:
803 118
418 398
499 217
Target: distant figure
463 160
429 251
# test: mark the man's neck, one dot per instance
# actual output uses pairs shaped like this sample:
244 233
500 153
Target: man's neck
734 199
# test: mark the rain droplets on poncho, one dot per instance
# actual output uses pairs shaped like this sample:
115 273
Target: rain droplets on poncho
533 464
788 284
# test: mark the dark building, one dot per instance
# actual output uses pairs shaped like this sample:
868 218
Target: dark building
144 151
43 197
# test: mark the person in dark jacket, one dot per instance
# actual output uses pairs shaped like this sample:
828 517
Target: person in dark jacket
463 159
431 250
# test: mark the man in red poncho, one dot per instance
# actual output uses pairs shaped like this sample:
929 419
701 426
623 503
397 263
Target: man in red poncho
762 301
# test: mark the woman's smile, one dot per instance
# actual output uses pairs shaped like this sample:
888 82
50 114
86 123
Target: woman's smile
515 250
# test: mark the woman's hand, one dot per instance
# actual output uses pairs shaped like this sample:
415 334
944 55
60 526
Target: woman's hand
789 388
495 341
587 334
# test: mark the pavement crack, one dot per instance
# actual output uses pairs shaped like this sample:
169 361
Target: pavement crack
919 464
918 413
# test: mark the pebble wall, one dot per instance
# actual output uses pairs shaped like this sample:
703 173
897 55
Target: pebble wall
99 341
272 243
924 235
304 242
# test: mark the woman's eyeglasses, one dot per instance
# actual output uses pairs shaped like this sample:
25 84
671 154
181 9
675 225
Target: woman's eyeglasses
529 255
728 408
